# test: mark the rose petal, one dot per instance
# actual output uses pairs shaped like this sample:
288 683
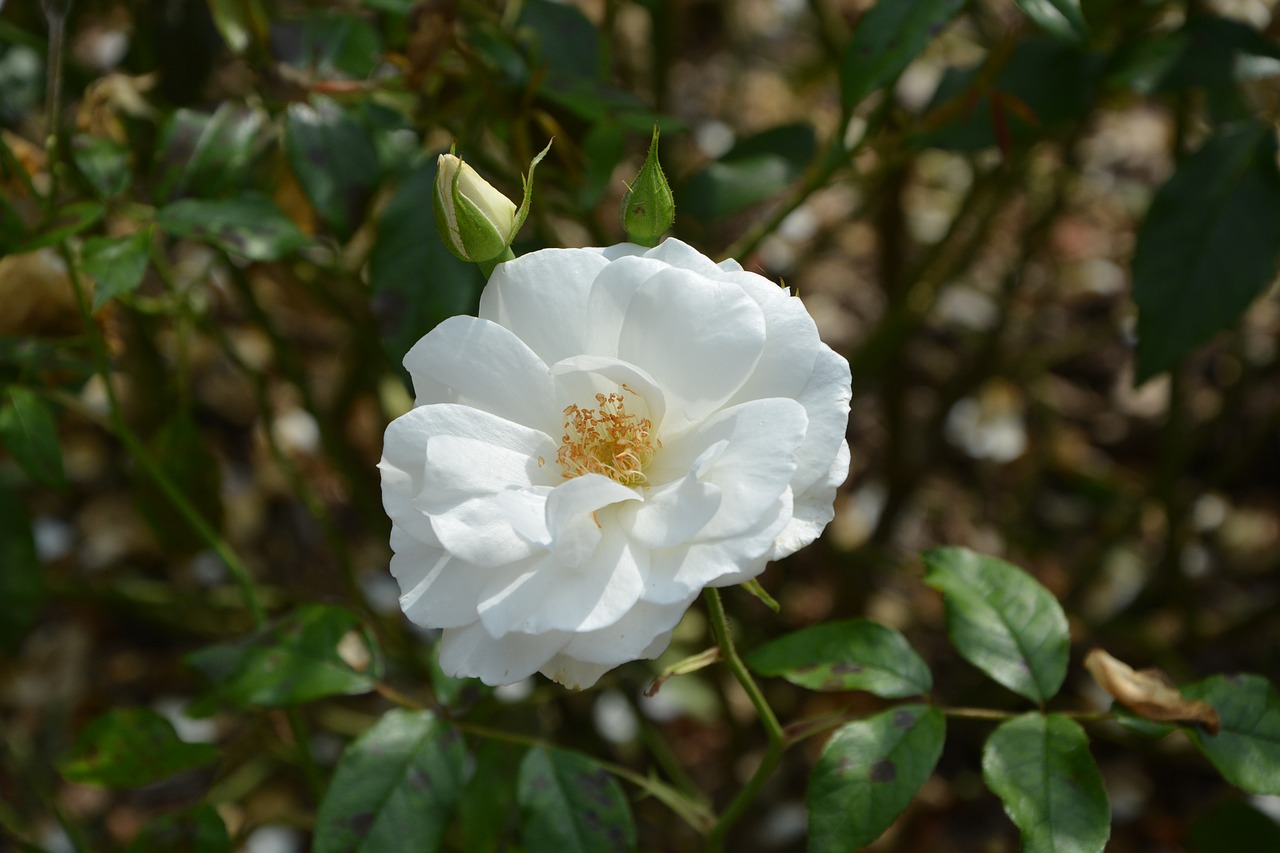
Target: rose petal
825 398
482 364
472 652
542 297
699 354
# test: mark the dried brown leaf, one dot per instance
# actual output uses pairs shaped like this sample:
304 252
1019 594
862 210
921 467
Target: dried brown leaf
1148 693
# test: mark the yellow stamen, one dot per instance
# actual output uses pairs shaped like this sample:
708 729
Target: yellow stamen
606 440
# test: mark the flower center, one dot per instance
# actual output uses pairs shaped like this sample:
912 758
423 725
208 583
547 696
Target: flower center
606 440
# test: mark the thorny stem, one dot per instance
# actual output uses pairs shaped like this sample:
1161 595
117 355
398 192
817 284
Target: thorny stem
773 730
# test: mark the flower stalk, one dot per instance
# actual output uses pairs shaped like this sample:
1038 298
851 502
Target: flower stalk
772 728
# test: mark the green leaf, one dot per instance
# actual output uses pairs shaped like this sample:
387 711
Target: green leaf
1246 749
568 42
69 221
570 804
293 661
1001 620
489 798
888 37
416 282
212 155
1231 827
250 225
240 22
1046 85
1060 18
29 433
334 160
330 43
856 654
180 451
754 170
1040 768
116 264
21 576
1140 726
128 747
395 788
869 772
1218 54
1207 248
103 162
198 830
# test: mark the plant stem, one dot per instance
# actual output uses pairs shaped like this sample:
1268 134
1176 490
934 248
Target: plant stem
773 730
143 457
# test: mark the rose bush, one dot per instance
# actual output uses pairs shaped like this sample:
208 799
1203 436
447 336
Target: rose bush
618 429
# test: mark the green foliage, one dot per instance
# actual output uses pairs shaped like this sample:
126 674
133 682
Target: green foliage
752 171
1040 767
395 788
334 160
1208 245
128 747
855 654
197 830
1002 621
28 431
569 804
1061 18
22 587
296 660
249 225
1246 750
868 772
116 264
409 301
888 37
245 199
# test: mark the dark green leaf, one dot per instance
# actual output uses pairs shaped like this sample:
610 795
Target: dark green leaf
28 432
294 661
1233 827
754 170
1207 248
856 654
1061 18
1040 768
1045 86
395 788
180 450
198 830
1001 620
212 155
1246 750
127 747
334 160
568 43
570 804
240 22
888 37
868 773
103 162
1219 53
329 44
416 282
488 801
1140 726
250 225
70 220
21 576
116 264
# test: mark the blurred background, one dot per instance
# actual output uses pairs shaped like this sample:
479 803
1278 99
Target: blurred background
244 185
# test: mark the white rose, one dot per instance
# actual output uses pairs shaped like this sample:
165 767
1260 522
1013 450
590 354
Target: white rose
617 430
